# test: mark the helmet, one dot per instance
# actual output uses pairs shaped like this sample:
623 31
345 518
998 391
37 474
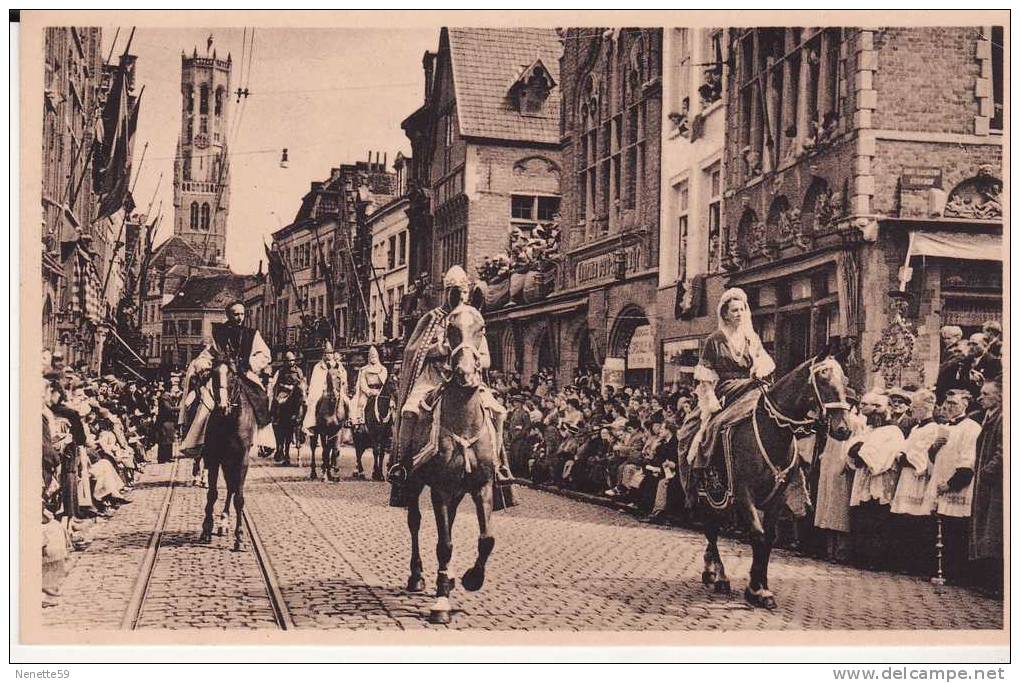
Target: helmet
456 277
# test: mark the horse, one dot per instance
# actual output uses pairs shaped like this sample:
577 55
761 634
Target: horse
464 464
760 456
376 432
287 414
228 439
331 412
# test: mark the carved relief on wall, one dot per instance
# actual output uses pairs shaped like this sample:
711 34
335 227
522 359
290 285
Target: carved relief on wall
536 167
822 209
751 232
783 227
976 197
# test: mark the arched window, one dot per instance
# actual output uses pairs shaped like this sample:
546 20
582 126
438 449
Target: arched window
189 98
203 103
205 215
219 100
186 166
194 215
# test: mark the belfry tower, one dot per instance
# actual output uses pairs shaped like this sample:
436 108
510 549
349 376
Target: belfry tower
201 169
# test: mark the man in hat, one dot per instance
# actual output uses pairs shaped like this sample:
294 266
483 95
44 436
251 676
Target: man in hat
427 353
518 424
317 383
899 410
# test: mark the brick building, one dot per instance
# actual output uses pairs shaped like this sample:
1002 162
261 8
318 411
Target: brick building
851 153
602 311
189 316
388 225
691 278
485 149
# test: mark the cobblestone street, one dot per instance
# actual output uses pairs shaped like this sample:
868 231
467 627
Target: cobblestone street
339 555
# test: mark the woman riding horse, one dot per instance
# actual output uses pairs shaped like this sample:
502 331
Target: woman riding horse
371 380
732 361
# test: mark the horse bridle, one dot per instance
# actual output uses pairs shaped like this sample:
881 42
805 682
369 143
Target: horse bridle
806 426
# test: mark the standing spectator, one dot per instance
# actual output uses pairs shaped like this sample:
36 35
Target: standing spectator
166 419
951 485
986 366
899 409
912 521
835 479
986 528
993 330
950 335
874 456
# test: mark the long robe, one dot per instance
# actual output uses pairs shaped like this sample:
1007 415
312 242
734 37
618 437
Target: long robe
317 387
371 379
986 531
958 453
257 359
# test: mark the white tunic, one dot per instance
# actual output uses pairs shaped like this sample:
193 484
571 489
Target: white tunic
316 387
960 451
876 480
914 477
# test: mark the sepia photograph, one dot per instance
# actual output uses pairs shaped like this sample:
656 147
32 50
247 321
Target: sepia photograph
471 329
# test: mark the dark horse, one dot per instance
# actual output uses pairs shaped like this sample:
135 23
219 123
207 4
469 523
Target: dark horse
377 431
764 459
287 413
464 464
330 418
228 438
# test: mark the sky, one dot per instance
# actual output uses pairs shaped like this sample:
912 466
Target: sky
328 95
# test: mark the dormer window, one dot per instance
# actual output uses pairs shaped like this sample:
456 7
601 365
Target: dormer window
531 89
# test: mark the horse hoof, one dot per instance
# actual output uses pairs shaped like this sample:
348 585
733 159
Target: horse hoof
437 616
764 601
473 579
415 584
440 612
722 586
707 578
238 545
205 537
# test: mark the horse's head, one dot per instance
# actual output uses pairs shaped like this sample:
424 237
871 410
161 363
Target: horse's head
828 383
465 333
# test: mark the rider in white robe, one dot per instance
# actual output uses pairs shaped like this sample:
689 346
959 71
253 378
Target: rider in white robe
371 379
317 384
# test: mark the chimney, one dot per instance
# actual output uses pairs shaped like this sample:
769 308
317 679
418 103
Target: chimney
428 63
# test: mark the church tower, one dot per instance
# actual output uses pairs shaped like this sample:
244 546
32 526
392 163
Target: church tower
201 170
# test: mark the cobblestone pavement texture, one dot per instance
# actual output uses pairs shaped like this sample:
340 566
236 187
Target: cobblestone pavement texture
109 566
204 586
341 554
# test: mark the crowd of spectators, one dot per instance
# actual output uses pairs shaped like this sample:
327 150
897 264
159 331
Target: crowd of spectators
923 468
96 432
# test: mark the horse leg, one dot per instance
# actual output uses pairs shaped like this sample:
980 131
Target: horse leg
312 475
210 500
714 573
445 511
415 582
474 577
757 593
224 521
240 474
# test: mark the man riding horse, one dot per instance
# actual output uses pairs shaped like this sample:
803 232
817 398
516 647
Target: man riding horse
422 381
233 347
317 382
287 389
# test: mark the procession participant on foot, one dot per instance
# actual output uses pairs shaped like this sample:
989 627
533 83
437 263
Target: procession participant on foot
732 359
317 383
428 353
242 349
371 379
986 528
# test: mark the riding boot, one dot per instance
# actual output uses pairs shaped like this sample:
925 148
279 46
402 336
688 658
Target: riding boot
400 473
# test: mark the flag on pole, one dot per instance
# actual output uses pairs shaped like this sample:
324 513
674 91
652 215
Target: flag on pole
112 166
277 269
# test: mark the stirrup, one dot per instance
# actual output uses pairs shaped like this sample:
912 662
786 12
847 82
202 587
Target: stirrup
397 473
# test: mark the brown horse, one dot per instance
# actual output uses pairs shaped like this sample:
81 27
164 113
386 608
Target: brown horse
228 439
376 432
330 418
465 463
763 461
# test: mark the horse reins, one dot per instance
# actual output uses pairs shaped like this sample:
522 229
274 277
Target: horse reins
797 427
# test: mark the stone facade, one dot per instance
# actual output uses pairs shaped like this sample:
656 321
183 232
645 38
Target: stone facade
870 150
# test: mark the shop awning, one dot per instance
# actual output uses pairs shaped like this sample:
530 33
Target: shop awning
955 245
